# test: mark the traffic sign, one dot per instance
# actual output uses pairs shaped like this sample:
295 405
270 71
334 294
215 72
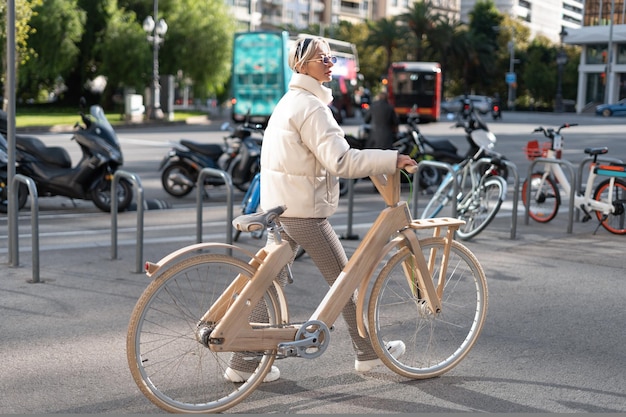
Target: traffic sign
510 78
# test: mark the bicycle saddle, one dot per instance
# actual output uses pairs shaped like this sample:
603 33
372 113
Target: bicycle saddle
258 221
596 151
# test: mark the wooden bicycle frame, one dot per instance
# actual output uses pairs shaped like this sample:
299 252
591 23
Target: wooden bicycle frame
233 331
586 198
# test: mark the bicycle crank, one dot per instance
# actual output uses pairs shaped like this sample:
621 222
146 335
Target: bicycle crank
310 342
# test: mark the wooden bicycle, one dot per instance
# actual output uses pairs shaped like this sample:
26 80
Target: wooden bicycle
429 292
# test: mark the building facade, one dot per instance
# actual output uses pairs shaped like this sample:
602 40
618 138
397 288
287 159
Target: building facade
266 14
602 69
543 17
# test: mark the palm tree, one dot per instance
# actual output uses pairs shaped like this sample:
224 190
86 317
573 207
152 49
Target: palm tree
388 34
421 20
446 45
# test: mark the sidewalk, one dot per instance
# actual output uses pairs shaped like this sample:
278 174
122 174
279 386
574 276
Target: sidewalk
63 339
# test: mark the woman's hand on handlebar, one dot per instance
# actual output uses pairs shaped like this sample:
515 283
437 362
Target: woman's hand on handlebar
406 162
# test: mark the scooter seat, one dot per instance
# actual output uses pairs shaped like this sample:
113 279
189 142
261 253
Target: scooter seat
54 155
212 150
443 145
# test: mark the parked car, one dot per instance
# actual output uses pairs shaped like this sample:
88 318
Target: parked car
615 109
481 103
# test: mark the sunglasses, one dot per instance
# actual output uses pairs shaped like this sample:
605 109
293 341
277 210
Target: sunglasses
326 60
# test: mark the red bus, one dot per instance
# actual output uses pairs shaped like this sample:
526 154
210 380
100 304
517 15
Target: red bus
415 83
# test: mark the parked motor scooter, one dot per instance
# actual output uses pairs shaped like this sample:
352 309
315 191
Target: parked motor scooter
471 122
50 167
239 156
412 142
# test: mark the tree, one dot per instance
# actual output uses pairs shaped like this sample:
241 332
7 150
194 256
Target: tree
198 43
58 27
539 77
420 20
484 22
447 45
387 34
23 14
123 55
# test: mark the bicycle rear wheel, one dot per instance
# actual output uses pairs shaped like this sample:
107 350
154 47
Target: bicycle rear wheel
616 221
544 198
435 343
482 207
168 363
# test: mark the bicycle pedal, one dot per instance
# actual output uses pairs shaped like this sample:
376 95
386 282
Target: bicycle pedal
586 218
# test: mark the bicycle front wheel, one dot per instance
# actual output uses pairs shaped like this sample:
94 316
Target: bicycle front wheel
544 198
481 207
168 363
435 343
616 221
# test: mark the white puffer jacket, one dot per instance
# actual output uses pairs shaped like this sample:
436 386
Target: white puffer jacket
304 152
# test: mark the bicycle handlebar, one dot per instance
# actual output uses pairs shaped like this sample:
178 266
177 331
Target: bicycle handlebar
411 169
550 132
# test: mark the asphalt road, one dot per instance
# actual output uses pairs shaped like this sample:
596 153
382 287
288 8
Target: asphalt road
553 341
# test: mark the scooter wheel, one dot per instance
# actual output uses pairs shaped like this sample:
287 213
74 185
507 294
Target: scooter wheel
22 196
177 180
101 195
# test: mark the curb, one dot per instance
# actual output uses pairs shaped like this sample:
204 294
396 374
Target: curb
195 120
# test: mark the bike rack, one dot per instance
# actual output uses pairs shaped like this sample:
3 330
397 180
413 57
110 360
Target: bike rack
229 202
512 167
139 192
436 164
572 191
582 164
14 256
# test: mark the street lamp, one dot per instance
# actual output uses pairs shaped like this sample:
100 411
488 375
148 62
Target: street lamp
155 32
511 75
561 59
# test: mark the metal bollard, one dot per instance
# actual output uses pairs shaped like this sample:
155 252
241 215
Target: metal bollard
14 257
140 200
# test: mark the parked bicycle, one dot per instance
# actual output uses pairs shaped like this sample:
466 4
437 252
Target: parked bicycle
480 190
607 201
431 293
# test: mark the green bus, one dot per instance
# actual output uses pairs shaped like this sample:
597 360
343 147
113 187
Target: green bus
260 74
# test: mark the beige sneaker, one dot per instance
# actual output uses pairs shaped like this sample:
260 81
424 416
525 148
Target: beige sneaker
239 376
395 347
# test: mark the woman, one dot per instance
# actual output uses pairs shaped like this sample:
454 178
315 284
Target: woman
304 152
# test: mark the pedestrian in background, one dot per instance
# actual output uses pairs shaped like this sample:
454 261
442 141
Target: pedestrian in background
383 122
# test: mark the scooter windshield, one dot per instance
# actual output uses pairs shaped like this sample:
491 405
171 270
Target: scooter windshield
102 122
